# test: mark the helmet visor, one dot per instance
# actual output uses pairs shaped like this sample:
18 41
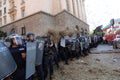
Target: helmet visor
17 40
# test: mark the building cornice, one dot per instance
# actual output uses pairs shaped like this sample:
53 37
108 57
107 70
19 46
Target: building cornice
46 14
27 17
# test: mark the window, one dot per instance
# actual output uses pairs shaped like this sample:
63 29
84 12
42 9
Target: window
82 31
4 2
23 12
118 36
0 12
0 22
12 17
12 31
4 10
12 4
5 20
0 3
68 5
77 27
23 1
23 29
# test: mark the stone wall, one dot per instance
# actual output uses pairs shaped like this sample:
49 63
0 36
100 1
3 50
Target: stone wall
67 20
40 22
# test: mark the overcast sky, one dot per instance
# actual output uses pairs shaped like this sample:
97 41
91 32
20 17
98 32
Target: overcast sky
99 12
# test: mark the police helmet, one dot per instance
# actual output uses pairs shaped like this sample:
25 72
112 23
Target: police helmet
30 36
38 37
45 36
14 39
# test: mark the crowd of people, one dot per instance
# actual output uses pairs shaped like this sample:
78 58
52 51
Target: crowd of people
65 50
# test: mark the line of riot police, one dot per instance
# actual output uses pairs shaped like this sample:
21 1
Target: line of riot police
36 57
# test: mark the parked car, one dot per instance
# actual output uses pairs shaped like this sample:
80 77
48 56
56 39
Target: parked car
116 42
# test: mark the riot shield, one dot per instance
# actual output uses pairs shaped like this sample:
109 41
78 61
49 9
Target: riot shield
73 45
7 63
81 45
39 51
62 42
30 59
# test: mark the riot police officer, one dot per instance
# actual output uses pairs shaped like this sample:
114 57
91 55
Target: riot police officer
30 37
62 47
77 48
39 68
86 46
69 48
18 53
48 58
56 56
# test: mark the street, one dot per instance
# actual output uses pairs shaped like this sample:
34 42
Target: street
93 67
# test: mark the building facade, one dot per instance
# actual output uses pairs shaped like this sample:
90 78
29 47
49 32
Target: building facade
14 12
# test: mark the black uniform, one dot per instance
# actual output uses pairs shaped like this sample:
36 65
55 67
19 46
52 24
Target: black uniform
19 74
